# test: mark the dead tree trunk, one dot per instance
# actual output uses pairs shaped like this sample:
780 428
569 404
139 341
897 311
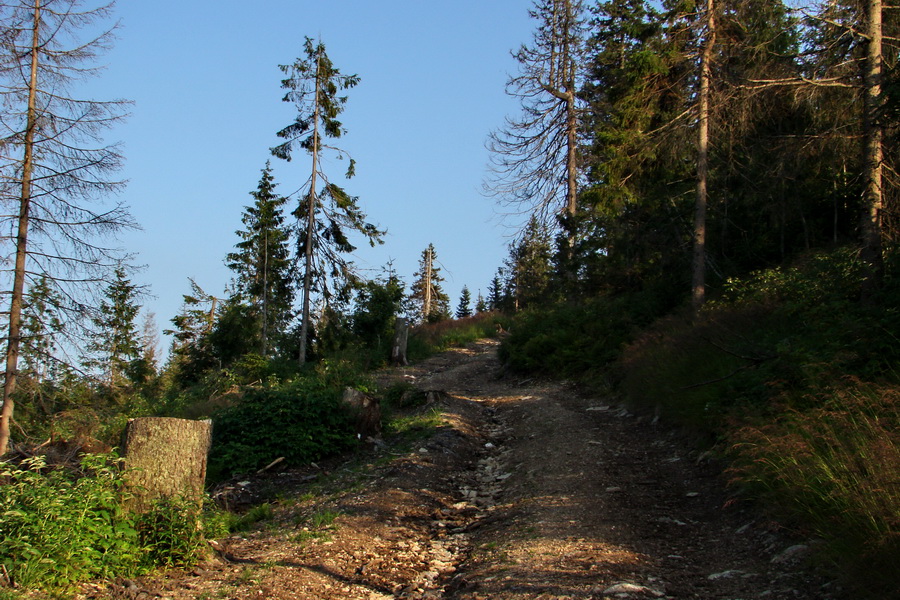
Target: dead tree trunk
166 458
401 337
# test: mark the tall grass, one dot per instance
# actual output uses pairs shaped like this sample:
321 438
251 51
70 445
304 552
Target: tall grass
431 338
834 470
796 380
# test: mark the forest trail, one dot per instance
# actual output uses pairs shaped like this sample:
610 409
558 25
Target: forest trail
530 490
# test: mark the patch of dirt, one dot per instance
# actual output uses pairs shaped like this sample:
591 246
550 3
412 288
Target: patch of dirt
530 490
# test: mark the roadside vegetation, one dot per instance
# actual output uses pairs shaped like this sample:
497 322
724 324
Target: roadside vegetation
785 374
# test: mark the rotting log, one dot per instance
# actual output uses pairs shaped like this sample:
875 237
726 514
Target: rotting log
165 458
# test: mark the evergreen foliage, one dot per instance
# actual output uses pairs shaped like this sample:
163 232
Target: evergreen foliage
326 215
116 345
426 292
464 308
262 266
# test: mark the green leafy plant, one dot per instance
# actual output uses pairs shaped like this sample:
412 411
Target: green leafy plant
302 421
60 527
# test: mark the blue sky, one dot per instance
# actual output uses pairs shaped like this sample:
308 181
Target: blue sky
205 84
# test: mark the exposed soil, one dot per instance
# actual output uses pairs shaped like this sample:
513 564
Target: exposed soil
530 490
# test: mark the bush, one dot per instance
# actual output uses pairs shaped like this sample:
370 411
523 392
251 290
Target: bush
576 341
430 338
302 421
62 526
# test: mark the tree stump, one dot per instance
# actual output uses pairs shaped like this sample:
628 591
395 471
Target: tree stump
401 336
366 412
165 458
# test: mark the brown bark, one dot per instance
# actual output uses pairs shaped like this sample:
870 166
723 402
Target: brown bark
15 311
310 217
698 278
166 458
401 337
871 252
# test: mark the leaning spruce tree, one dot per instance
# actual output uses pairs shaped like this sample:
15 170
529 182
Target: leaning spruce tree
55 166
326 212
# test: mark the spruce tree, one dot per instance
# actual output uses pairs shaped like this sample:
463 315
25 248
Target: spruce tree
529 265
326 213
426 292
116 345
262 265
41 324
481 304
464 308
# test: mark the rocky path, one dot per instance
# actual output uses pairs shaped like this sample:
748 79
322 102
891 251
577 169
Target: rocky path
529 490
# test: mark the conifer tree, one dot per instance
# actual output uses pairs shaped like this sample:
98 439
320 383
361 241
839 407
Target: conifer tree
116 345
481 304
529 266
262 264
495 291
426 291
41 324
534 158
464 308
191 353
326 213
55 165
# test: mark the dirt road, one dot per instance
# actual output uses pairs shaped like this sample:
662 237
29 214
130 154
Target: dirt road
529 490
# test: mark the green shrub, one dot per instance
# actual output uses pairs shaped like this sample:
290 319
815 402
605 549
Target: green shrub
577 341
61 526
430 338
302 421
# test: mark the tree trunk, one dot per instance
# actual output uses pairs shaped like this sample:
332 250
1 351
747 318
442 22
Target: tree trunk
426 305
698 278
18 292
166 457
401 336
871 252
310 219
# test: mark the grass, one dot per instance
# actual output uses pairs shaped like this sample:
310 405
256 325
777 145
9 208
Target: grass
431 338
834 470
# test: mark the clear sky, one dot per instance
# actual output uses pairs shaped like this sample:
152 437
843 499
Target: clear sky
205 83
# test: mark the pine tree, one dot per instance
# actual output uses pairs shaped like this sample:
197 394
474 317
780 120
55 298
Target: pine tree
481 304
530 266
262 264
464 308
41 324
325 216
116 345
495 291
191 353
534 158
426 291
55 165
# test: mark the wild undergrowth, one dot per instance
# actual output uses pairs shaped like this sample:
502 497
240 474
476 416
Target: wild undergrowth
431 338
787 373
60 526
795 380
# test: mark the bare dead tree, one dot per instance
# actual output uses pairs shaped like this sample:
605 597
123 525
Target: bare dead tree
55 171
534 157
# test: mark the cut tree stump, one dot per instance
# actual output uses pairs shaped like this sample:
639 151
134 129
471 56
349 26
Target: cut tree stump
366 411
401 336
166 458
